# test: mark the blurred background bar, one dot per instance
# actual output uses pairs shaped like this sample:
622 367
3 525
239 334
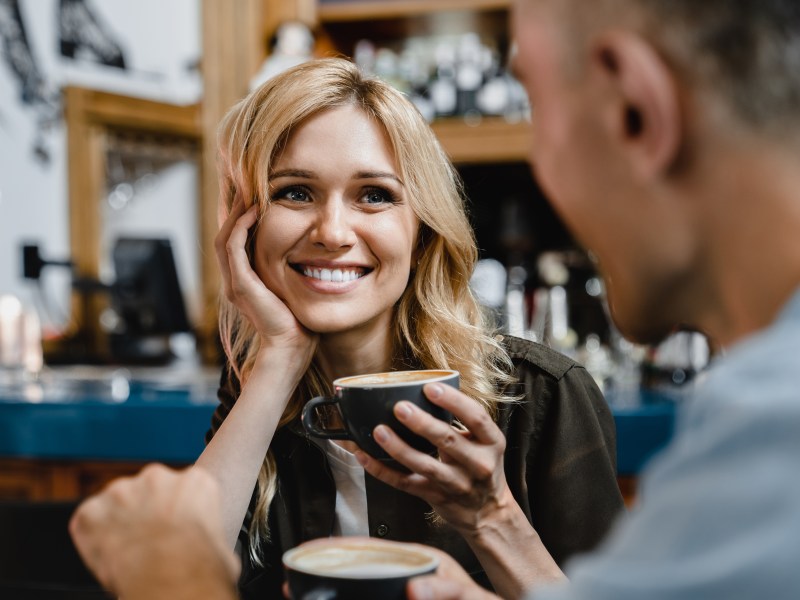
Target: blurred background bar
109 353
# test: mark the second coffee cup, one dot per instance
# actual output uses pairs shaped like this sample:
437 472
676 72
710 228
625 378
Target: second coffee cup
349 568
365 401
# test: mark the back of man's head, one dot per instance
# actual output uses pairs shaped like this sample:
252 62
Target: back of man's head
745 51
749 50
667 135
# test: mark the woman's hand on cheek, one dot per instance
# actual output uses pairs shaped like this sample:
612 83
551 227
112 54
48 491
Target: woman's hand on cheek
467 484
267 313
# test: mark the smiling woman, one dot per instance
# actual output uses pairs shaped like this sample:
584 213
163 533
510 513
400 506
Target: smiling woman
345 249
337 241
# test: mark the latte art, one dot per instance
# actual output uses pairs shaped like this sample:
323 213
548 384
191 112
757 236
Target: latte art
392 378
360 561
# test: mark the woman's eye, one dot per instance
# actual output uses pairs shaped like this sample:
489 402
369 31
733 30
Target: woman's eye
293 194
378 196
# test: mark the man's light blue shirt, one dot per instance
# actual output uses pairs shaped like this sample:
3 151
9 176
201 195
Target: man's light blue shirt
718 515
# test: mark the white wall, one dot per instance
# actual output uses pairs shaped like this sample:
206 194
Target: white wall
161 40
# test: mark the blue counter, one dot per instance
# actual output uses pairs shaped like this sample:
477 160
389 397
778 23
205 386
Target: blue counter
641 432
94 414
115 417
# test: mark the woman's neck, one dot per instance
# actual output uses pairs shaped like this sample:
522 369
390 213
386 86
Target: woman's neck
356 352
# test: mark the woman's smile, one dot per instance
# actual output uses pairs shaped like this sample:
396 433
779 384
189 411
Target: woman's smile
334 275
330 279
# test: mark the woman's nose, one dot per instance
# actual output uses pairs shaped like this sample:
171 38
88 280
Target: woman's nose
333 227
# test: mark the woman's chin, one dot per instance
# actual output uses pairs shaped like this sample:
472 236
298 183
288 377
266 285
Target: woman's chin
331 324
327 325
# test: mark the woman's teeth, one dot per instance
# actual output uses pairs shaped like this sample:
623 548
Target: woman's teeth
335 275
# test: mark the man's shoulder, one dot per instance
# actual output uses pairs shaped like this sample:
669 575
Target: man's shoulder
762 370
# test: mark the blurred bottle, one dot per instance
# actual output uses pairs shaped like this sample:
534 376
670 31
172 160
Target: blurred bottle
448 76
515 306
488 284
442 87
676 361
293 45
551 318
364 56
469 75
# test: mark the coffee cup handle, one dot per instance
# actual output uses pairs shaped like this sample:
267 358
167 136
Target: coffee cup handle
313 428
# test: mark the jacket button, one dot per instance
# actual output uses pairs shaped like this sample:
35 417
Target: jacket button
382 530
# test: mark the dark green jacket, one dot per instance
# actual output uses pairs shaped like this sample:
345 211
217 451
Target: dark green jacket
560 464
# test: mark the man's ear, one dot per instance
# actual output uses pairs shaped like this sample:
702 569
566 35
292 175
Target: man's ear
647 116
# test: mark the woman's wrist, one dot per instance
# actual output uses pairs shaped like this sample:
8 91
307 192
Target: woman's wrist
280 368
510 550
291 361
495 519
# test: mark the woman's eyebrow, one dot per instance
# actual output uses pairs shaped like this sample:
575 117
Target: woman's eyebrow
378 175
303 174
300 173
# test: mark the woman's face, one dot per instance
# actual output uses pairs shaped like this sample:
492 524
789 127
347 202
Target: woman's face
337 241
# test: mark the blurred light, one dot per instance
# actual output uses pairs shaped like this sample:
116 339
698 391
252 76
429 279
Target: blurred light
594 287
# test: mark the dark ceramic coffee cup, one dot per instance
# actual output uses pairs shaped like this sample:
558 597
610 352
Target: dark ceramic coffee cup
354 568
365 401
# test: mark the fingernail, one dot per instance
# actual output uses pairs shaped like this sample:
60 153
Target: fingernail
434 390
402 410
380 433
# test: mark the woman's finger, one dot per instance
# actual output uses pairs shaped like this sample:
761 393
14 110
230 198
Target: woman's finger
478 459
469 412
242 276
447 478
410 483
221 240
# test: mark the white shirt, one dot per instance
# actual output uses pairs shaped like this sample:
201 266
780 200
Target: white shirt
351 491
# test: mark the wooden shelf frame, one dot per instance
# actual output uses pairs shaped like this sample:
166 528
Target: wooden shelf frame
494 140
91 116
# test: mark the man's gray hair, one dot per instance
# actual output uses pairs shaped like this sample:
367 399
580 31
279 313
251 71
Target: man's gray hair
747 50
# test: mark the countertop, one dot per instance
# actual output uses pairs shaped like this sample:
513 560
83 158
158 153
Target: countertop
163 414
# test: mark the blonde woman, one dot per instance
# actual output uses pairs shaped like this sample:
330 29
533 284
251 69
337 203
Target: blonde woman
345 249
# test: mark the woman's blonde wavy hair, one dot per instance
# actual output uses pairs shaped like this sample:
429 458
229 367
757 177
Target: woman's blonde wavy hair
438 323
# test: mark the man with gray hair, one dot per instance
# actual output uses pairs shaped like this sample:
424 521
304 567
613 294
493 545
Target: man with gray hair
667 138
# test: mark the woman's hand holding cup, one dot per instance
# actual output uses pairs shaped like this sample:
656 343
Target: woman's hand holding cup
467 484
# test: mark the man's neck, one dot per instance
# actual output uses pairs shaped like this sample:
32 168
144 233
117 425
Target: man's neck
752 224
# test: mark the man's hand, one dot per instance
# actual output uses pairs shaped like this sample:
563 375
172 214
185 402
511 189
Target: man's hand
157 535
450 582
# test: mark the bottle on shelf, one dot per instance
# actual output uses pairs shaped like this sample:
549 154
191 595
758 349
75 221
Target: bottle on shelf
447 76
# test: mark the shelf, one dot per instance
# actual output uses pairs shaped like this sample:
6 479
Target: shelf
96 120
494 140
110 110
349 10
390 23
